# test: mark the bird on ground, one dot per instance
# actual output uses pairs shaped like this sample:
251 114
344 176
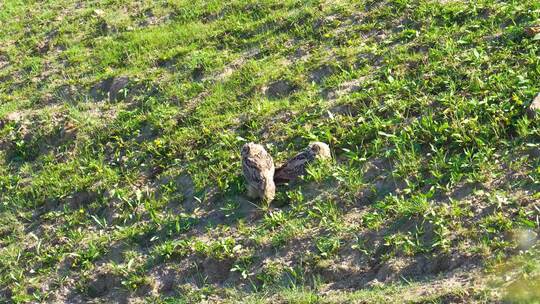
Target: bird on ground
297 165
258 169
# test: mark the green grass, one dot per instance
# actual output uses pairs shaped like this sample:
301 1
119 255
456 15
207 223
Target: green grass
424 104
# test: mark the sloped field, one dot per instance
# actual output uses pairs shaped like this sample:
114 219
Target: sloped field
121 124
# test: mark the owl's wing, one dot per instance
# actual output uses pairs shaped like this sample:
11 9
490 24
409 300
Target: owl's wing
293 168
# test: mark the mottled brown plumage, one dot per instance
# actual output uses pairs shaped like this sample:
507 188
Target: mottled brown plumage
296 166
258 169
534 108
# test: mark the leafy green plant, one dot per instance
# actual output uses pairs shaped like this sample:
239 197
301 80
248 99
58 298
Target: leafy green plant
328 246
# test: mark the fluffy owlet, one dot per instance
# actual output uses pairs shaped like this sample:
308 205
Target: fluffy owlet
258 168
296 166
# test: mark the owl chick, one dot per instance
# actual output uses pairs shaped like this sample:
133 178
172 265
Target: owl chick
258 168
296 166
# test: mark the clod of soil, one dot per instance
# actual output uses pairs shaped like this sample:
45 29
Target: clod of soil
279 89
110 88
102 284
321 73
216 270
